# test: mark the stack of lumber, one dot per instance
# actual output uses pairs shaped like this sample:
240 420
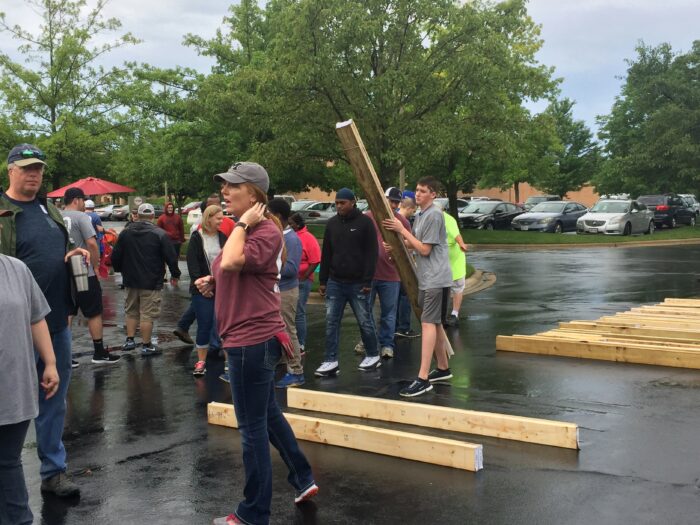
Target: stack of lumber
437 450
665 334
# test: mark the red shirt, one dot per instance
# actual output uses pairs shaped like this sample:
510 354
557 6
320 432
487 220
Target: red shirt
248 302
310 251
385 270
172 224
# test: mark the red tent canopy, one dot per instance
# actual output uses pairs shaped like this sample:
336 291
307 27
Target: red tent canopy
93 186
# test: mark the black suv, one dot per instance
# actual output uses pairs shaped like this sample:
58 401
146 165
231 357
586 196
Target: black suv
669 209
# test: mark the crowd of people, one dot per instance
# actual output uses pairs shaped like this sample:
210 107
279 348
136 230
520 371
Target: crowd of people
250 281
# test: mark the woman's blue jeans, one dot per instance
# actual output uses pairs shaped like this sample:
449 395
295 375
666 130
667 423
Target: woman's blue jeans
261 422
14 501
206 322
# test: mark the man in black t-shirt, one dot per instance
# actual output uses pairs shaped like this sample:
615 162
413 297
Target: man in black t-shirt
37 235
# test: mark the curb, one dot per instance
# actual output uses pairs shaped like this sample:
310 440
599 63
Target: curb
631 244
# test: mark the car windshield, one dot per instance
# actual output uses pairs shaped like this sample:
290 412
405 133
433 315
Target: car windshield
611 207
300 205
535 200
548 207
653 200
480 207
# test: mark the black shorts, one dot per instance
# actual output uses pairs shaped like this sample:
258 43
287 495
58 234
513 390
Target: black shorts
90 302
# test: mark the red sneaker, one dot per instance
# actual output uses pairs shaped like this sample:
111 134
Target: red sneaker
231 519
306 494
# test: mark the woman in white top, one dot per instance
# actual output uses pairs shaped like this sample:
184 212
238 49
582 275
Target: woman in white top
205 245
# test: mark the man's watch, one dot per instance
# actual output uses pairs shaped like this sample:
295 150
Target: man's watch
243 225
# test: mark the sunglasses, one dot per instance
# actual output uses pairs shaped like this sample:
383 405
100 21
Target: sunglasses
32 154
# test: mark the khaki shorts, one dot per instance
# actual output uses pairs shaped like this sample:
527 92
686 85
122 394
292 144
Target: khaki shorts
142 304
457 286
433 301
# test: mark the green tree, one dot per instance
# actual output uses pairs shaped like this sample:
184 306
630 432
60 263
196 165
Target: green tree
575 154
428 82
58 95
652 135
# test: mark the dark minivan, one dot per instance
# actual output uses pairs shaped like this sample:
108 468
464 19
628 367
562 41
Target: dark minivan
669 210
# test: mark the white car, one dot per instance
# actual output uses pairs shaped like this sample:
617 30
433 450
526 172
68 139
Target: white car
617 217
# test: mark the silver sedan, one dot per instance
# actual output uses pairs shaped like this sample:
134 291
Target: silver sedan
617 217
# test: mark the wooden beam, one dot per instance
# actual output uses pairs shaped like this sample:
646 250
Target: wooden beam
625 353
531 430
591 336
405 445
363 169
683 302
366 176
681 335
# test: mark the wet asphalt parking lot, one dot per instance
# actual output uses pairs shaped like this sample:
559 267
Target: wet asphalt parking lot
140 447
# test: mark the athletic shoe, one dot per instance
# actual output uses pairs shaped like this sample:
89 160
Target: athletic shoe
290 380
451 320
231 519
360 348
387 352
417 387
199 369
370 363
60 485
129 345
439 375
149 350
225 378
327 368
183 336
74 363
306 494
107 358
410 334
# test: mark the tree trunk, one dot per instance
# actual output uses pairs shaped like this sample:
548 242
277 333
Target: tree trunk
516 192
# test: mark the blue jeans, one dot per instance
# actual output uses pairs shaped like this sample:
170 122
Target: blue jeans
261 422
52 412
206 322
14 500
403 312
337 296
388 292
304 291
187 318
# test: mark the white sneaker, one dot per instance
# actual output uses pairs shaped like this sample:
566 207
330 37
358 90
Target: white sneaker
360 348
370 363
328 368
387 352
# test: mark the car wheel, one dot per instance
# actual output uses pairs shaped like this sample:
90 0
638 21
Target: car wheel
673 222
692 221
558 228
651 228
488 226
627 230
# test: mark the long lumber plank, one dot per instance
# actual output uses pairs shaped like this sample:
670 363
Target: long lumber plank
589 336
405 445
631 329
683 312
518 428
682 302
638 354
649 321
671 336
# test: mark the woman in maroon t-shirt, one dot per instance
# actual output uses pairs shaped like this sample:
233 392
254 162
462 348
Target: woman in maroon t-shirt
247 305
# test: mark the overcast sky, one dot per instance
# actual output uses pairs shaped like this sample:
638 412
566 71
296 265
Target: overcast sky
587 41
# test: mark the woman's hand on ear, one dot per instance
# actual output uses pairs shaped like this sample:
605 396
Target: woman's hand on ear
253 215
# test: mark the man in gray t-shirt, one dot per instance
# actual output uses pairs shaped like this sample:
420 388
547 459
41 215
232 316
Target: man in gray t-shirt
429 240
82 234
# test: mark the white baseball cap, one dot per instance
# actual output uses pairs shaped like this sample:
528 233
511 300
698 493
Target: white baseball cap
89 204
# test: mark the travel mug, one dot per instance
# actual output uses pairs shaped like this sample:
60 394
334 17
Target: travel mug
80 272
